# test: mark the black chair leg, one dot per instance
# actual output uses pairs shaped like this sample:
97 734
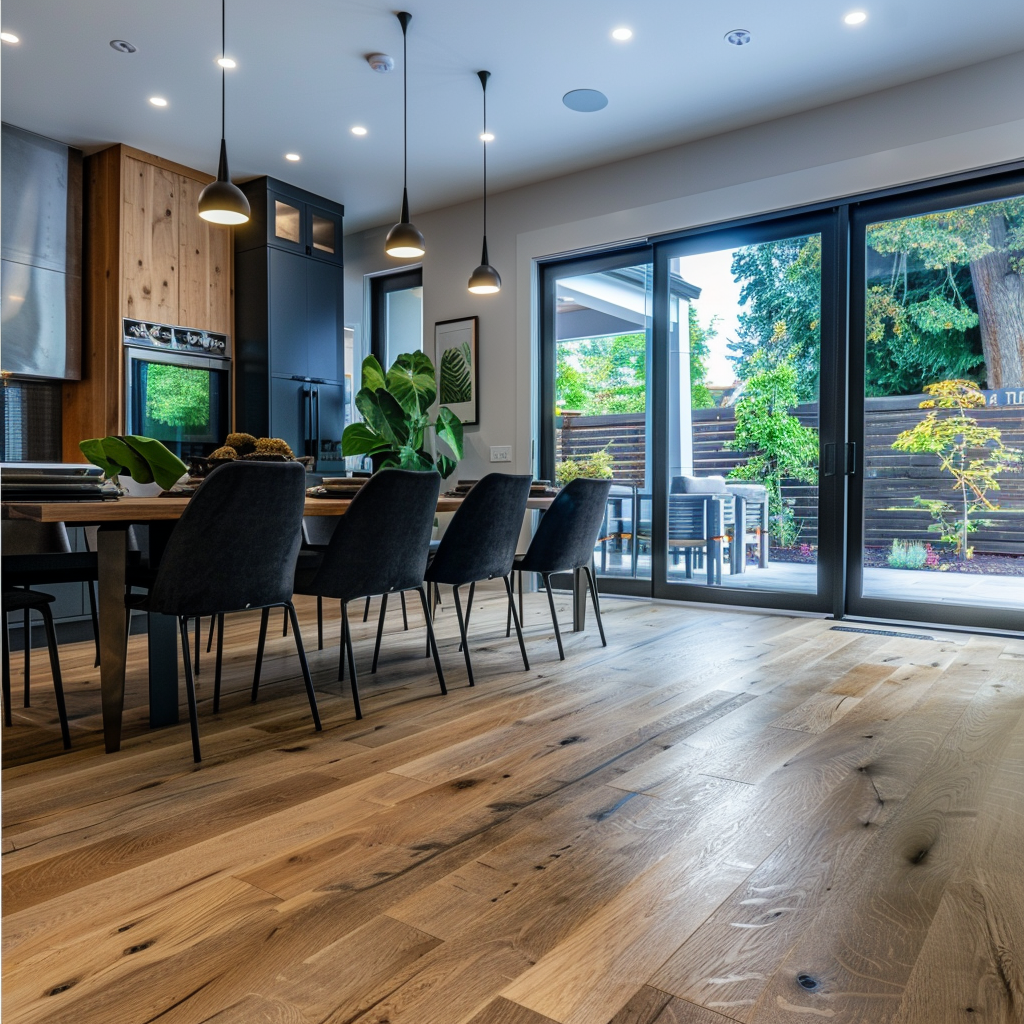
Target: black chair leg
264 621
304 665
366 610
95 621
462 633
380 632
351 659
426 612
341 645
508 616
522 618
58 683
515 619
26 632
319 623
284 627
469 606
431 641
592 583
199 637
554 617
219 661
209 638
190 688
405 614
7 675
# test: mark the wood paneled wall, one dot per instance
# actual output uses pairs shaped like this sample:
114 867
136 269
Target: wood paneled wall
148 256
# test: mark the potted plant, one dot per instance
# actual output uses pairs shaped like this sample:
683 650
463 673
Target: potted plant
396 421
144 459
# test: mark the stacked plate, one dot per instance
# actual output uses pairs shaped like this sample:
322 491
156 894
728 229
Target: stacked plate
54 481
338 487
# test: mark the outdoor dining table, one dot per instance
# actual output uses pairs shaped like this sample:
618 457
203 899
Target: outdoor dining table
114 519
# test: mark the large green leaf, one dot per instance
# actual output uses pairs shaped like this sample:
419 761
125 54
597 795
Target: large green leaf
166 468
359 439
446 466
384 415
415 459
94 451
449 429
455 377
373 375
128 459
411 381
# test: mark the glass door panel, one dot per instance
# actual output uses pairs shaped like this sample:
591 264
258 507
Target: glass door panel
287 222
941 502
601 341
740 319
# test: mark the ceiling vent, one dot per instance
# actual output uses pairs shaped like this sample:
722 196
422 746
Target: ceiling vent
381 62
122 46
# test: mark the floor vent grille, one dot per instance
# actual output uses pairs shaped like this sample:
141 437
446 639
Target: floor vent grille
881 632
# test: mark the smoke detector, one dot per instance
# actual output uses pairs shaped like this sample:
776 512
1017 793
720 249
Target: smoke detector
381 62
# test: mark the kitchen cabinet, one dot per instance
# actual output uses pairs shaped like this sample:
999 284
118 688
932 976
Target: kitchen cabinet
148 256
290 325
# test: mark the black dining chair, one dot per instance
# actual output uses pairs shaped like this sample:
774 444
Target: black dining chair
565 541
38 554
234 548
27 601
480 544
379 546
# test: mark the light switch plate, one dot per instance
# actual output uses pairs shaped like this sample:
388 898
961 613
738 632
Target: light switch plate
501 453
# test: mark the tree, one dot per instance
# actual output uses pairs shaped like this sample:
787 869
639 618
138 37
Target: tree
972 454
597 376
950 290
178 396
777 444
781 320
700 349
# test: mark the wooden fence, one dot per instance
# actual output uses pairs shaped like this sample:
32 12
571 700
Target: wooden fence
892 478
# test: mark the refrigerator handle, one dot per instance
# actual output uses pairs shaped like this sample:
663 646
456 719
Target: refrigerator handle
316 435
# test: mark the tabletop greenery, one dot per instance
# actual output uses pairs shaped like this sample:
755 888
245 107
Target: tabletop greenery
395 408
144 459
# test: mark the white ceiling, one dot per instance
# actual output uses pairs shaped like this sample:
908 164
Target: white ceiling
302 80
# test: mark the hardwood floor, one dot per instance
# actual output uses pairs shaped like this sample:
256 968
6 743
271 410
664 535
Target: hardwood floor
720 817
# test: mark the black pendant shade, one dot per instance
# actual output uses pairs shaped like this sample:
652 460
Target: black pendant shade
485 280
221 202
405 240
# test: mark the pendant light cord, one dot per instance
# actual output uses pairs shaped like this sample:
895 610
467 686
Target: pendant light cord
405 108
485 158
223 70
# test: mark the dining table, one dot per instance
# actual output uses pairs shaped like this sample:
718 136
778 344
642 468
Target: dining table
114 518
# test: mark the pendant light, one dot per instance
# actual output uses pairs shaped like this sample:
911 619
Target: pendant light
404 239
484 280
221 202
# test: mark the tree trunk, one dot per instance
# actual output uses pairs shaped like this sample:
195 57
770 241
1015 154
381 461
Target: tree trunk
1000 296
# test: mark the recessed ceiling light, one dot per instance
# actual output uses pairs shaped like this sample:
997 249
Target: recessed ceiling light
855 18
294 157
122 46
738 37
358 130
486 136
585 100
158 101
9 37
622 34
226 62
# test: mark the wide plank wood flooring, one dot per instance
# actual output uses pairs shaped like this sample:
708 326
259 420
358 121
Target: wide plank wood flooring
722 816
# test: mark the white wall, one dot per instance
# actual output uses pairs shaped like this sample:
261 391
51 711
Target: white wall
966 119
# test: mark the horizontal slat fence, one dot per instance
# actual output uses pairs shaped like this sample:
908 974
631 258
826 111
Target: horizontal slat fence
891 478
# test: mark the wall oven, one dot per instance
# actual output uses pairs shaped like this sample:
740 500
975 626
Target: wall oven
177 386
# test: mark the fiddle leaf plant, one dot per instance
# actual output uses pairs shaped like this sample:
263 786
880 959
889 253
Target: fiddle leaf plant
396 417
144 459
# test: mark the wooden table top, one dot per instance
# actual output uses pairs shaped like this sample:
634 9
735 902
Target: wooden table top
146 510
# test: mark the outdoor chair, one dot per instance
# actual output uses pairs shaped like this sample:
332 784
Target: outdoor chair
696 521
234 548
380 547
750 524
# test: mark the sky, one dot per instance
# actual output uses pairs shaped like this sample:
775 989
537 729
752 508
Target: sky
719 296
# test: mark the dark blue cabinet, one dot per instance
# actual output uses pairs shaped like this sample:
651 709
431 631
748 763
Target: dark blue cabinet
289 320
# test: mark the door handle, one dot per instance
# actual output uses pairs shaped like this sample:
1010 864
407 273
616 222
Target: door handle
307 418
851 458
316 435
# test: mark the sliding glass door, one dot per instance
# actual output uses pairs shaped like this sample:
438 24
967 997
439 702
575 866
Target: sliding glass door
937 407
744 336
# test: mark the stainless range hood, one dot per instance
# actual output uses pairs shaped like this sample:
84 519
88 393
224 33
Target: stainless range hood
41 267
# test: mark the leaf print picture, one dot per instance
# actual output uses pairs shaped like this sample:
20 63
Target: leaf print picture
455 355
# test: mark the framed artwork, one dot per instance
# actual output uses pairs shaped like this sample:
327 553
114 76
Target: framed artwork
458 376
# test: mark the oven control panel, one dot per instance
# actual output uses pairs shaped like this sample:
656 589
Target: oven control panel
179 339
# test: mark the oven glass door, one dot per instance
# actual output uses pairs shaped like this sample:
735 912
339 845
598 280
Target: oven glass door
182 401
